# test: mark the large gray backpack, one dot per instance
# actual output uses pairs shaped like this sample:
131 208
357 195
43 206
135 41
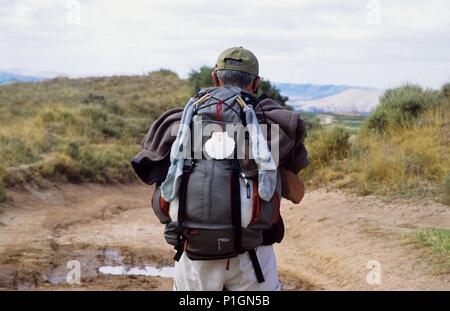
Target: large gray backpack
217 213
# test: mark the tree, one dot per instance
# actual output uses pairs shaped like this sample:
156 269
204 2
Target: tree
201 78
273 92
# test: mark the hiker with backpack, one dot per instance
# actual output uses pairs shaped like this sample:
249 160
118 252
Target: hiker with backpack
221 165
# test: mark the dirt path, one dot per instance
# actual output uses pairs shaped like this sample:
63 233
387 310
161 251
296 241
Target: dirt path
330 238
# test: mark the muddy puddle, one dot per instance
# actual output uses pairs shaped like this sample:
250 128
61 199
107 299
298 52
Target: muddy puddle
111 268
87 268
164 272
91 263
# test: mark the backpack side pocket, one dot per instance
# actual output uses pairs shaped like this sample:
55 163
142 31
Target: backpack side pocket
160 207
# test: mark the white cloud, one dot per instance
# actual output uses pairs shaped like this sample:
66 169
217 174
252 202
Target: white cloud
296 41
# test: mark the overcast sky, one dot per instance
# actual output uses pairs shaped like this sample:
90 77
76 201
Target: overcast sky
310 41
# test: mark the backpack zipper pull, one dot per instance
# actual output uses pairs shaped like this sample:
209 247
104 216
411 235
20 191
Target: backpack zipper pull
247 187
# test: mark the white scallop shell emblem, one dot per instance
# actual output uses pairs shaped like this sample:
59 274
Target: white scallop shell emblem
219 146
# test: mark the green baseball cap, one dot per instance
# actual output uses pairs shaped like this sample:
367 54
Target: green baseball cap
238 59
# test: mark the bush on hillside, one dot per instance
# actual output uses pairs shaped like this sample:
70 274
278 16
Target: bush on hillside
378 120
446 189
445 90
266 87
400 106
328 144
311 120
2 193
2 188
405 159
100 100
163 72
59 167
200 78
107 163
15 150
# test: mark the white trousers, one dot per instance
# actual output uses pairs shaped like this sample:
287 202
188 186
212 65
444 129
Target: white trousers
237 275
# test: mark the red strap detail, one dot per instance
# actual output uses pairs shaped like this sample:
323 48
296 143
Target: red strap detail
256 210
219 112
276 212
164 206
193 231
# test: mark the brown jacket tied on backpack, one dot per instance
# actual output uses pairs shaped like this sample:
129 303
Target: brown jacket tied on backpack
152 162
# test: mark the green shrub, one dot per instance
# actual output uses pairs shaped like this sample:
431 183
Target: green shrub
446 189
266 87
201 78
94 99
401 106
2 193
106 163
73 150
328 144
14 150
60 167
445 90
63 116
62 121
2 188
100 100
311 120
378 120
164 73
94 113
113 127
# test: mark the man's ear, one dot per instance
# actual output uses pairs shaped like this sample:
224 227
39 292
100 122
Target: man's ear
255 85
215 79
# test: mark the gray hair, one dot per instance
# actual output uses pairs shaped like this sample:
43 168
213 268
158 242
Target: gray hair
236 78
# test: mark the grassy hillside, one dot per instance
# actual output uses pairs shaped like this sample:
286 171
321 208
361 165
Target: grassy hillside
80 129
402 148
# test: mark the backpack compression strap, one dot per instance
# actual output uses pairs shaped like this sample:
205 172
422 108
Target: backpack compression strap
236 206
236 220
187 168
256 265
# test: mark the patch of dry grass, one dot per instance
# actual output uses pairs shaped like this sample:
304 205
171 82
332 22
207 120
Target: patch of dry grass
80 129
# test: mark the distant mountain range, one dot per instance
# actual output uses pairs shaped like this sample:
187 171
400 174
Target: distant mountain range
17 75
330 98
302 92
302 97
357 100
